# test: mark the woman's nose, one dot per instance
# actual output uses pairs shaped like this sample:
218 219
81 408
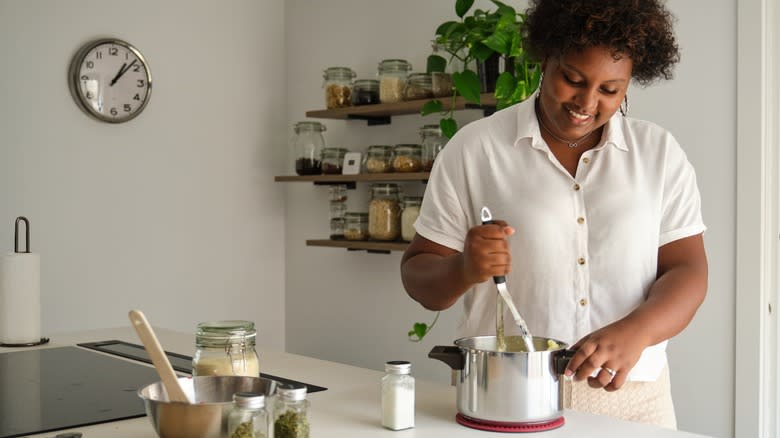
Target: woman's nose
587 99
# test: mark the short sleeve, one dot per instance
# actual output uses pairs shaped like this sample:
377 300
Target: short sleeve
681 208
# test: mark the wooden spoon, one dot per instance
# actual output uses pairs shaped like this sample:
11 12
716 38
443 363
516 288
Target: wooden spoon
159 359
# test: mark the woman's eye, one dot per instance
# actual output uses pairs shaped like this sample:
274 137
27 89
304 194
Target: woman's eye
609 91
570 80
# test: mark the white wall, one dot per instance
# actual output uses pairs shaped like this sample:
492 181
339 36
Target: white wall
174 212
351 307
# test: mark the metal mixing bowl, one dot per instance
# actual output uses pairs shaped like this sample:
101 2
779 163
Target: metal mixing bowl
206 417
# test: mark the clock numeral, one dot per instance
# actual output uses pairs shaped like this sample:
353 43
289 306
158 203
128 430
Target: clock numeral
84 77
113 51
127 108
137 97
90 64
113 111
90 95
141 83
98 55
137 68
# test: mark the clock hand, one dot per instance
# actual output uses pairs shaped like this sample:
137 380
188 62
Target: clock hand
122 71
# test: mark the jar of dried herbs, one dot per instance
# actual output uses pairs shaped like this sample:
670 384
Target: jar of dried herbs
338 86
291 412
249 418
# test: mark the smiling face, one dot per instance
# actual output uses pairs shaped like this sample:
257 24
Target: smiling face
582 90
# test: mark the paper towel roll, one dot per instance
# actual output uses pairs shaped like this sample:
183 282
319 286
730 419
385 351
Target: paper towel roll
20 298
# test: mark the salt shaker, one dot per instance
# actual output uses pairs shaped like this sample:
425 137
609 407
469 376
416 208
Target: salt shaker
398 396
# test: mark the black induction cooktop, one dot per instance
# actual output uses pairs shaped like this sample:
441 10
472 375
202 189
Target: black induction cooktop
61 388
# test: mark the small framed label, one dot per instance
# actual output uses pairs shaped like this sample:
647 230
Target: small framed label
351 163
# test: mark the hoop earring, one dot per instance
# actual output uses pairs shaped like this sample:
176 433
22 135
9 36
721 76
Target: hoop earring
624 105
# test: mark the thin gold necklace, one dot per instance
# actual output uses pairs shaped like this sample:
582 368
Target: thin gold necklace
571 144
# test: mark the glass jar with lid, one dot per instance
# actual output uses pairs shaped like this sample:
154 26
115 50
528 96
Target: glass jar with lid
392 79
441 81
337 192
410 209
418 86
407 158
356 225
249 417
433 142
308 142
384 212
291 412
365 92
338 86
225 348
333 160
379 159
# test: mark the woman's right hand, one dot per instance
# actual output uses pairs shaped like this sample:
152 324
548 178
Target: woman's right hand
486 252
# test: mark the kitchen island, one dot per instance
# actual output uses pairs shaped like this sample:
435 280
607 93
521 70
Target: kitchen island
350 406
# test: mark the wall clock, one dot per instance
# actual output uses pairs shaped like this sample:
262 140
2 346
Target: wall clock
110 80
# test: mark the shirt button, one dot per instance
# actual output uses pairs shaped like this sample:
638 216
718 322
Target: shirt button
576 187
580 220
583 302
586 160
581 260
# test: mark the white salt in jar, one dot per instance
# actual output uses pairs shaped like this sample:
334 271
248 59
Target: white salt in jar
398 396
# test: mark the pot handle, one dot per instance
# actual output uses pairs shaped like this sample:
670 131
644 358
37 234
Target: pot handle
561 360
451 355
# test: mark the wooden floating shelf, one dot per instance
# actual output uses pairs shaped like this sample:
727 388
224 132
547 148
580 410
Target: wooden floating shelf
380 114
362 177
367 245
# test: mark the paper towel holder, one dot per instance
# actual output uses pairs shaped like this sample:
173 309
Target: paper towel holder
26 250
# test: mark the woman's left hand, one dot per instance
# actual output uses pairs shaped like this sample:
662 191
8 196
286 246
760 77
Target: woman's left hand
612 350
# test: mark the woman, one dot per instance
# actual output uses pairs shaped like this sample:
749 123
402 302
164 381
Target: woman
608 253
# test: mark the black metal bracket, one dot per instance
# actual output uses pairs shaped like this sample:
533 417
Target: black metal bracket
350 184
371 120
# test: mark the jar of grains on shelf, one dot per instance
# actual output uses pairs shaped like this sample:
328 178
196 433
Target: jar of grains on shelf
392 79
418 86
338 86
407 158
356 225
379 159
384 212
225 348
433 142
333 160
410 210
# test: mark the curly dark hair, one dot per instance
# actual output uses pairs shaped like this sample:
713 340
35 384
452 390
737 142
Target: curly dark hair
639 29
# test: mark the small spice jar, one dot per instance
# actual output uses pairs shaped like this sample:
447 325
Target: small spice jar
432 143
337 192
397 389
392 79
355 226
291 413
308 142
384 212
418 86
338 86
249 418
225 348
407 158
410 209
441 81
333 160
379 159
337 228
365 92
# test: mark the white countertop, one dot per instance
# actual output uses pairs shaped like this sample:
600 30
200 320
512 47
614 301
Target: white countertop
350 407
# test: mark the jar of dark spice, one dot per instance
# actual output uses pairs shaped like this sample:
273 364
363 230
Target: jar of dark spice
384 212
433 142
338 86
333 160
407 158
379 159
418 86
365 92
308 142
392 79
291 412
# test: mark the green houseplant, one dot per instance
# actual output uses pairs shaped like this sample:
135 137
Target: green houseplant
479 39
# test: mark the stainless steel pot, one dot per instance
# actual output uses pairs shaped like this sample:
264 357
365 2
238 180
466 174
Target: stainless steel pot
512 386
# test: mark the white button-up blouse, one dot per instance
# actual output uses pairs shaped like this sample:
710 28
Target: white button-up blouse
586 247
